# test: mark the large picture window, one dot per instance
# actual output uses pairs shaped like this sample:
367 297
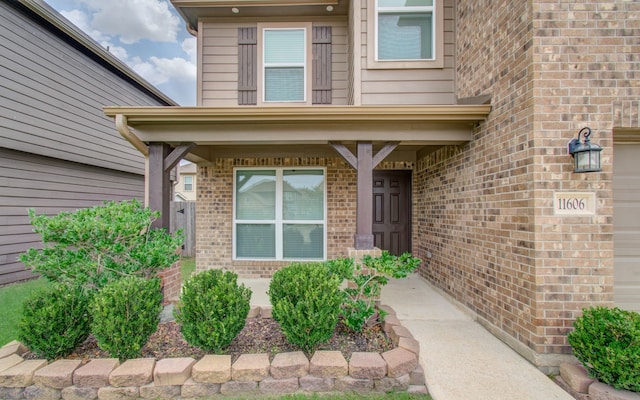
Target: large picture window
279 214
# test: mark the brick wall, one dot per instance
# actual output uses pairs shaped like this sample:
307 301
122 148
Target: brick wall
485 210
215 211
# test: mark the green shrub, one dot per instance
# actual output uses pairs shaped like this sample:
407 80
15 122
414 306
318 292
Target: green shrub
365 282
213 309
94 246
306 302
125 313
55 321
607 343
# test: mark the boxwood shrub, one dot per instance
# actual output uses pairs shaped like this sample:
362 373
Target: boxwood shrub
213 309
125 314
306 300
55 321
607 343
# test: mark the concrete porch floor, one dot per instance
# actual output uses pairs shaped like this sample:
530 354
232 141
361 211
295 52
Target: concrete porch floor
461 359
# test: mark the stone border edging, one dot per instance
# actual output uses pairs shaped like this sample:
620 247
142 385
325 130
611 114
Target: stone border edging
186 378
575 379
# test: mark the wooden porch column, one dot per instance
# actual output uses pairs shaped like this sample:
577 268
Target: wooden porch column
161 161
159 184
364 208
364 163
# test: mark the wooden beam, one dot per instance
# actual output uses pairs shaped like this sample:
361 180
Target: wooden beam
346 154
177 154
384 152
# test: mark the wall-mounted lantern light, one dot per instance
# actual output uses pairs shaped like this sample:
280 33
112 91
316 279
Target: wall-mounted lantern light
586 156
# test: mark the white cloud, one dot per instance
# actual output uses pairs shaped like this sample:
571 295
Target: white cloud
81 20
134 20
160 70
190 46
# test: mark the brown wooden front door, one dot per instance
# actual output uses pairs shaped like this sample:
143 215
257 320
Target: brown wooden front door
392 210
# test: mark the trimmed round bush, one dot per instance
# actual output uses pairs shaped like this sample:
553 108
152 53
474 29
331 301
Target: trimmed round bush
213 309
306 300
55 321
607 343
125 314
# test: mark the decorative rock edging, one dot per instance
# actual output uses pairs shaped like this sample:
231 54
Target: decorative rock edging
574 379
186 378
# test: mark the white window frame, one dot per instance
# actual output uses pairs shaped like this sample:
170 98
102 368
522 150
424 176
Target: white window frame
307 62
279 222
437 60
184 186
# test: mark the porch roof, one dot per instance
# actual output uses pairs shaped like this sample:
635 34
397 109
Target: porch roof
414 127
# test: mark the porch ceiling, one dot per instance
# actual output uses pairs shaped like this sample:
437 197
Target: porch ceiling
285 129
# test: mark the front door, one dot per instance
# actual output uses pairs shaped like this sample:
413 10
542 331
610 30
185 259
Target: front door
392 210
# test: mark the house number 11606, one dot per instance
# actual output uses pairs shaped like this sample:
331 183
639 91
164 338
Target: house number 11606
574 203
571 204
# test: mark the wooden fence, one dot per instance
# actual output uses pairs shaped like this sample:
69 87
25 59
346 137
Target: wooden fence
183 216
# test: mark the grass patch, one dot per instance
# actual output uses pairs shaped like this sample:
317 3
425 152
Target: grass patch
11 299
187 268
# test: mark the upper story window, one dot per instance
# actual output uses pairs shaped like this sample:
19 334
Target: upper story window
188 183
405 34
284 64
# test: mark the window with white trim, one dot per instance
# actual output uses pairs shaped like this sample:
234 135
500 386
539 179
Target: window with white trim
406 34
188 183
279 214
284 64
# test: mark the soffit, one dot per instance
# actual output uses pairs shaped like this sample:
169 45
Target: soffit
192 10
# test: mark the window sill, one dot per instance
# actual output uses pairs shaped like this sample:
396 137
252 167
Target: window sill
422 64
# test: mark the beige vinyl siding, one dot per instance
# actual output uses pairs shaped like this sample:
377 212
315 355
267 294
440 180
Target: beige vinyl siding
52 94
49 186
410 86
626 226
219 71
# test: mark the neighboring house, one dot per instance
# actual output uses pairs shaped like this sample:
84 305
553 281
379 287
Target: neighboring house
58 151
438 127
185 186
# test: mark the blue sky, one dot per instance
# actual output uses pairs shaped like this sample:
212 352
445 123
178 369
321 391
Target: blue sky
148 35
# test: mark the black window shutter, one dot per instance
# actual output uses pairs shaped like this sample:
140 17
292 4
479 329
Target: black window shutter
247 66
321 67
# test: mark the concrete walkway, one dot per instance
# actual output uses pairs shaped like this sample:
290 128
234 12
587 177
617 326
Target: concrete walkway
460 358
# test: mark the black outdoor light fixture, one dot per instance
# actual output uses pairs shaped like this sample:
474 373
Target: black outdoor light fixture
586 156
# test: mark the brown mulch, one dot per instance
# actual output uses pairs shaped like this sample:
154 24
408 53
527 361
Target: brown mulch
260 335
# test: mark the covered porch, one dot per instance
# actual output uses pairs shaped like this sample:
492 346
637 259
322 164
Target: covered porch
361 136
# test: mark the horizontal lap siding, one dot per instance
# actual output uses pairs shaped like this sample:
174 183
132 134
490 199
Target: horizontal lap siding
220 63
51 98
49 186
411 86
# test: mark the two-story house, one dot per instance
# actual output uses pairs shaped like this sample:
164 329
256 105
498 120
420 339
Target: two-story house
440 127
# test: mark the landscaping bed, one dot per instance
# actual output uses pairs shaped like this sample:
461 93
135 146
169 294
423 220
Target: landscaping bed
186 376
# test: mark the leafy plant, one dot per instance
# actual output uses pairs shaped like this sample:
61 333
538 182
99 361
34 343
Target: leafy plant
607 343
213 309
125 313
306 300
94 246
365 281
55 321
